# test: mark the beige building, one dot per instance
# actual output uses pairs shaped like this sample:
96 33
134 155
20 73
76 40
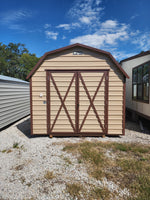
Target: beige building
77 91
137 87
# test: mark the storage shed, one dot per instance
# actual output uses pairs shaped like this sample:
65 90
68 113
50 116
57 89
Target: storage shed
14 100
77 90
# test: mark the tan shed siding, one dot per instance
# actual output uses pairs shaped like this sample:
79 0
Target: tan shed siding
38 108
67 60
115 110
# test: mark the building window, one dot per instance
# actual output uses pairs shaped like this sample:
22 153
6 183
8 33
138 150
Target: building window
77 53
140 83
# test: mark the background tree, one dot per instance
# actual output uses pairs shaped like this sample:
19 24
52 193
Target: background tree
16 61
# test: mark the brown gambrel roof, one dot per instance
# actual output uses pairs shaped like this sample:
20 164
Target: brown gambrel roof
136 56
76 45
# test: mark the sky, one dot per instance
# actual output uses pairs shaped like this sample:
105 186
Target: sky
121 27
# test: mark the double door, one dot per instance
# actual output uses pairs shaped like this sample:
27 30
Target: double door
77 103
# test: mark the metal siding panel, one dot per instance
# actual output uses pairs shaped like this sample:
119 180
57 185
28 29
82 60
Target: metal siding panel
14 101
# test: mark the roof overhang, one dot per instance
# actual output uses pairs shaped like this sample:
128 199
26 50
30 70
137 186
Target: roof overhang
136 56
76 45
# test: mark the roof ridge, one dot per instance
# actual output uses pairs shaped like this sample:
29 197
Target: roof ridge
76 45
142 53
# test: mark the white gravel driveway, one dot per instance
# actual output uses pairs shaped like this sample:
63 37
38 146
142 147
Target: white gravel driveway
22 169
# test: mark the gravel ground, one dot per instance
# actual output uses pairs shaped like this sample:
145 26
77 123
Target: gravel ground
22 169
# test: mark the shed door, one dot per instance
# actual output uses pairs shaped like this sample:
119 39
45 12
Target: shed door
77 103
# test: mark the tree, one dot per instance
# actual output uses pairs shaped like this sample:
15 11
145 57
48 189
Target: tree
27 62
15 60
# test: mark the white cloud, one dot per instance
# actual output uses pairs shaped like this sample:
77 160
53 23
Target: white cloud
68 26
134 16
64 37
109 24
99 41
142 41
76 24
85 20
51 35
86 12
47 26
98 2
64 26
91 40
14 16
105 35
120 55
135 33
16 27
13 19
83 13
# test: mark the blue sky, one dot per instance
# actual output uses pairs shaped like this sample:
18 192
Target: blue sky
121 27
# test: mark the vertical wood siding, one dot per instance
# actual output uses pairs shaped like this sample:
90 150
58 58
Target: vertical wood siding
14 100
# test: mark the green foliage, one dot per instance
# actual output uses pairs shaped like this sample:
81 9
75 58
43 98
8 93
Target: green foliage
15 60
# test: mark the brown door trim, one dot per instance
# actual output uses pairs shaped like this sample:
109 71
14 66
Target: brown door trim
78 70
91 102
77 130
106 101
31 110
48 102
62 103
77 102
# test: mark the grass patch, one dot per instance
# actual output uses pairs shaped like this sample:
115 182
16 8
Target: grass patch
129 168
134 148
92 155
19 167
3 151
9 151
100 193
6 151
67 160
75 190
16 145
22 179
49 175
29 184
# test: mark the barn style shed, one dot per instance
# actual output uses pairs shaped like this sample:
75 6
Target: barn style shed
77 90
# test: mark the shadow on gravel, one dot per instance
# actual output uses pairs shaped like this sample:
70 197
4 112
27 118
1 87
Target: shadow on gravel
135 126
24 127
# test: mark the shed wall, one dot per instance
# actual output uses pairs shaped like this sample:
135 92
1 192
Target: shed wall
14 101
88 60
143 108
